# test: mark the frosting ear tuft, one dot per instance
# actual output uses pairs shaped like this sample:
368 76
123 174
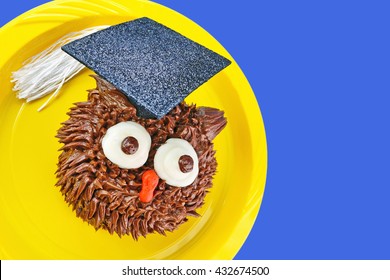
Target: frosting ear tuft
214 121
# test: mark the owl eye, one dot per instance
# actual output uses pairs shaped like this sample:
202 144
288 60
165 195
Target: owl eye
176 162
127 144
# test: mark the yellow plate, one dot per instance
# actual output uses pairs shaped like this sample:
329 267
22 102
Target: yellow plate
35 221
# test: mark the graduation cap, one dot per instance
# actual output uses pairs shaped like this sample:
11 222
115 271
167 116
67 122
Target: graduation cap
153 65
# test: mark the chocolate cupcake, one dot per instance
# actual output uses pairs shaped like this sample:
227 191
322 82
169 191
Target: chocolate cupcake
132 175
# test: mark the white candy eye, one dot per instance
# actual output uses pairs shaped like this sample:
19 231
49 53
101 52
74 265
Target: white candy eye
176 162
127 144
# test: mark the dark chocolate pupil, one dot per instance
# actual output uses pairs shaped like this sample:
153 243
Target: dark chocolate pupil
130 145
186 164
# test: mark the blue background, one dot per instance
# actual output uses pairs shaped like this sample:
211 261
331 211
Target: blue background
320 71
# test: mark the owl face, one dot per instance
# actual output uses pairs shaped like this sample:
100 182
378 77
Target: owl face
131 175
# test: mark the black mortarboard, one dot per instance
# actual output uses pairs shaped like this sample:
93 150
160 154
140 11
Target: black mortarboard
154 66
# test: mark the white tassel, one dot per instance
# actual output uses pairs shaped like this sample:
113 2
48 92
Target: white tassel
48 71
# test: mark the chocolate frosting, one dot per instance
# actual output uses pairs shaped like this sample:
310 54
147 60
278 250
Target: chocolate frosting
107 196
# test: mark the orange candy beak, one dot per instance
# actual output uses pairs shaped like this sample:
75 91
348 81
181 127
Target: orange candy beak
150 181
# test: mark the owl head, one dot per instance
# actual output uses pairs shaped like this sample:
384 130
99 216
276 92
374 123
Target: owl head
132 175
